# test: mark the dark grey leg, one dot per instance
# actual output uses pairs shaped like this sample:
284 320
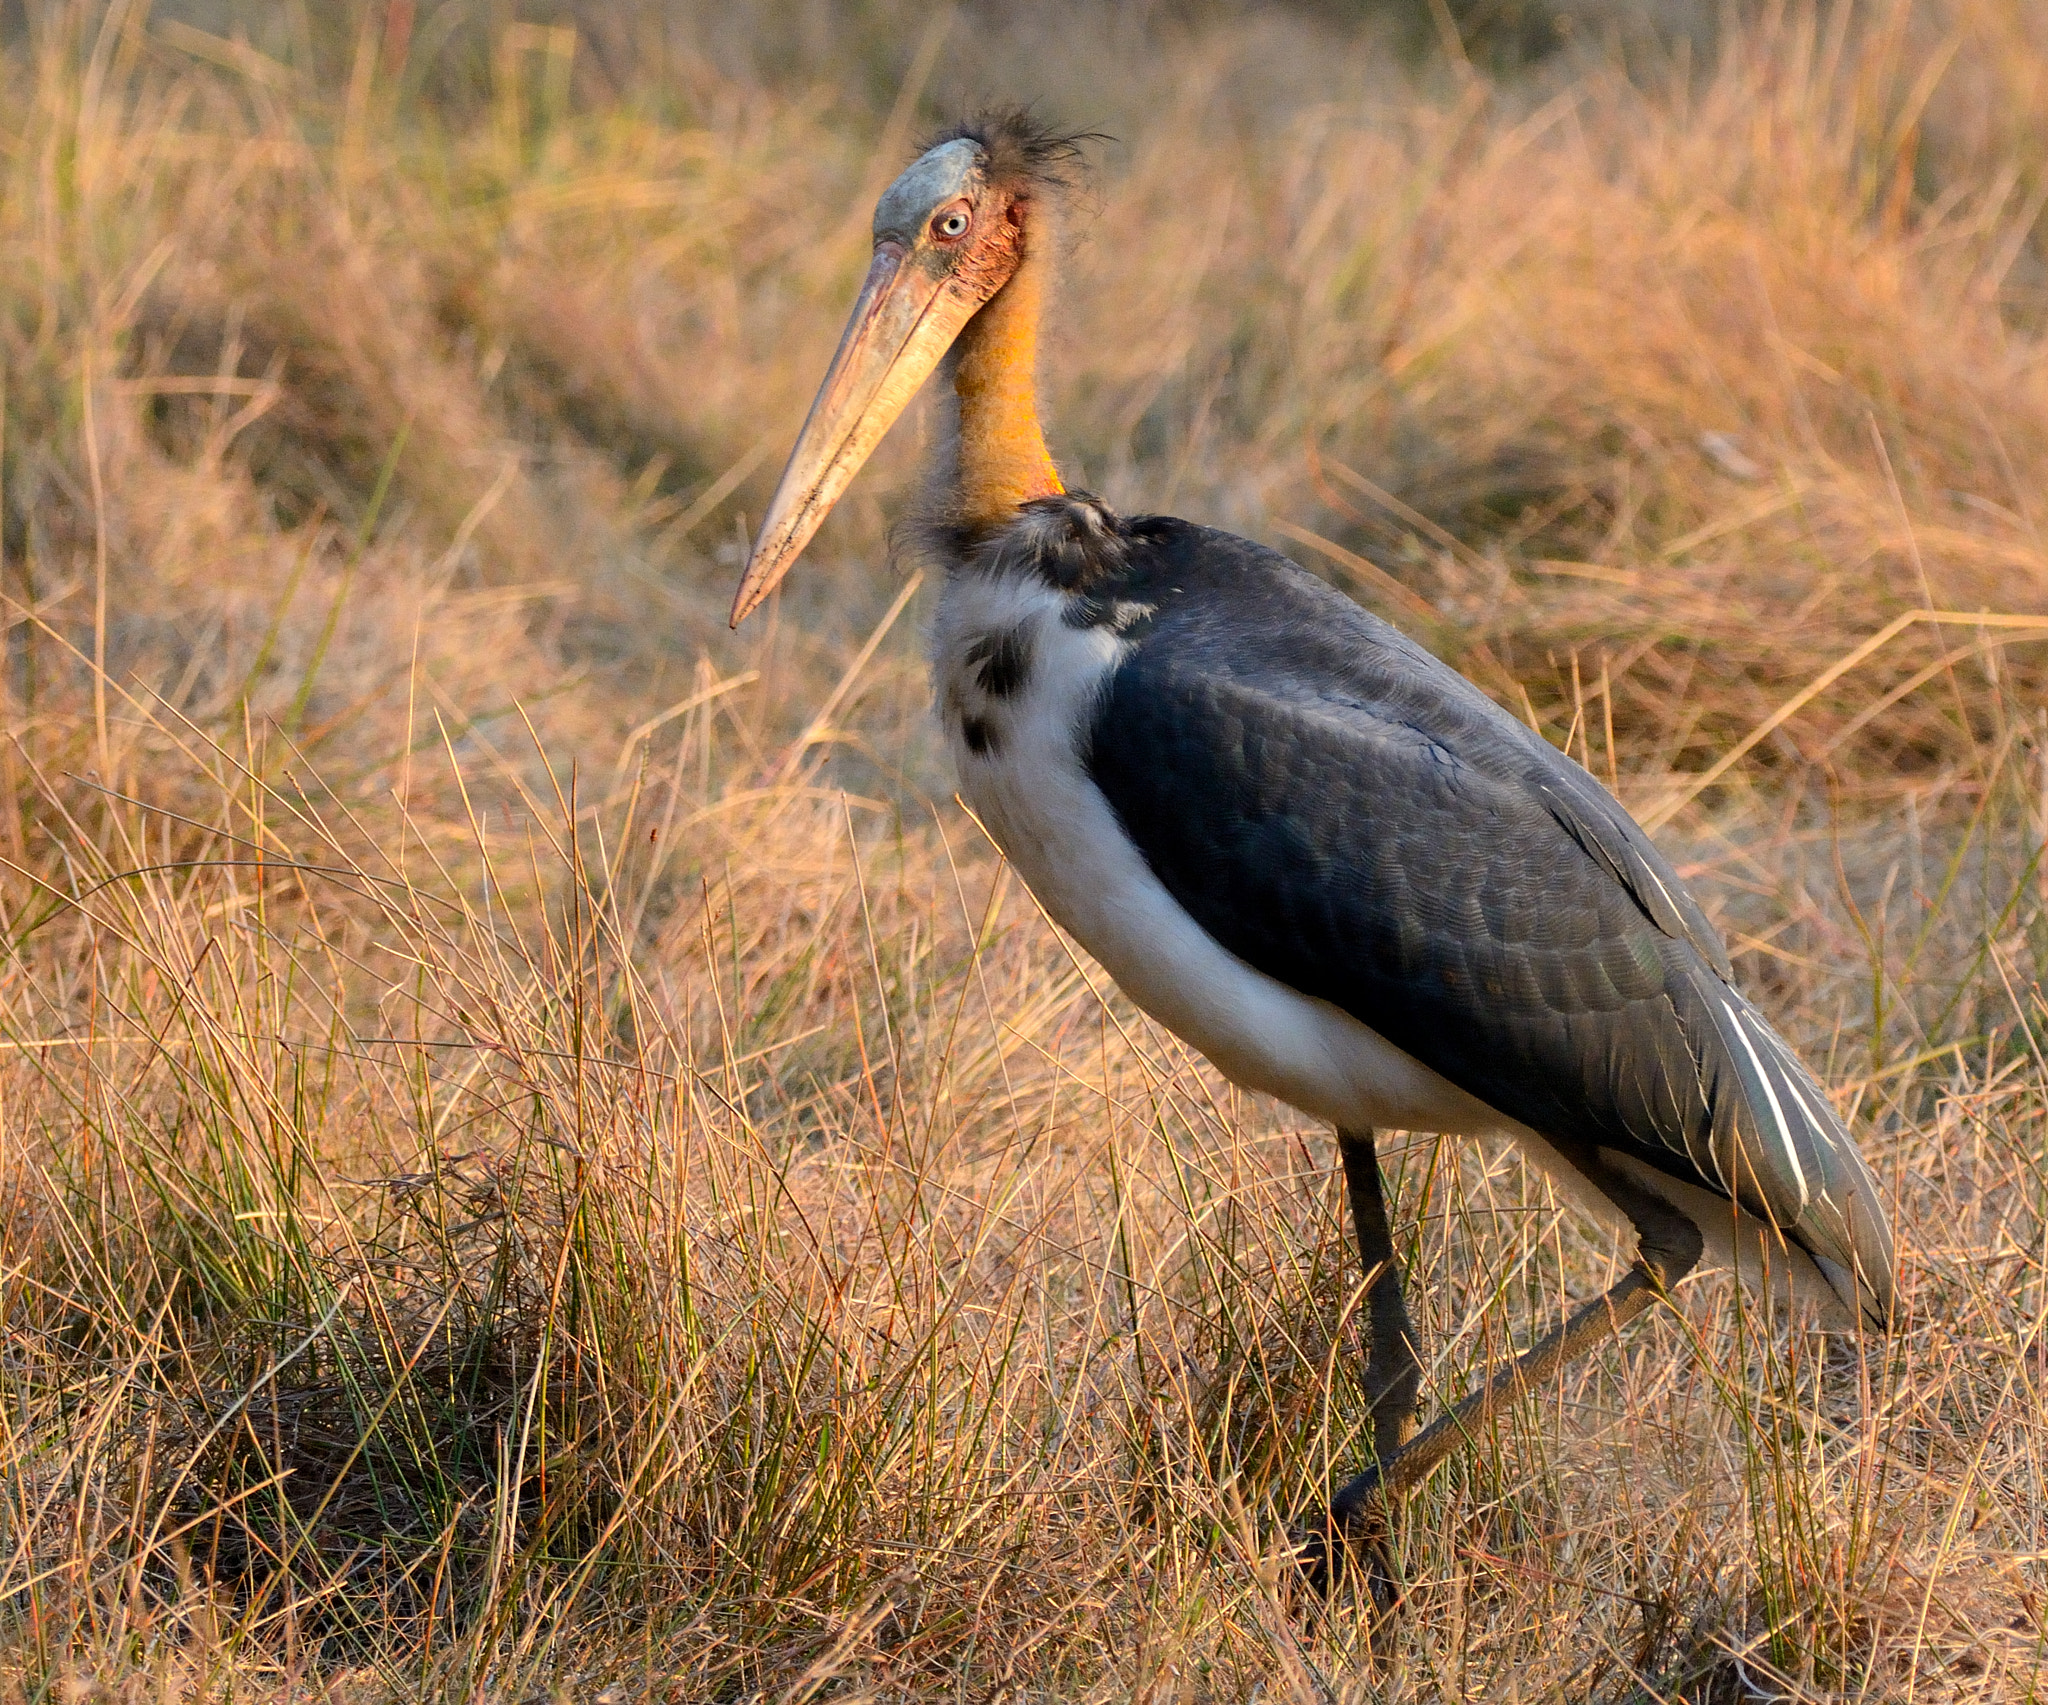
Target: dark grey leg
1393 1369
1669 1245
1393 1381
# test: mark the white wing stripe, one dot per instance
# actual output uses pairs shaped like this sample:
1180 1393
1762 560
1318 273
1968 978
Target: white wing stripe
1798 1084
1771 1095
1822 1127
1650 870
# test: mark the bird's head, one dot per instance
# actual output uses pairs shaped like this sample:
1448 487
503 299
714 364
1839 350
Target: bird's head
949 233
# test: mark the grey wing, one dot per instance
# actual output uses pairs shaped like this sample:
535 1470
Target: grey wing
1351 817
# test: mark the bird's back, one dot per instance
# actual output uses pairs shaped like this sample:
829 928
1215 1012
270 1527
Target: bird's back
1347 815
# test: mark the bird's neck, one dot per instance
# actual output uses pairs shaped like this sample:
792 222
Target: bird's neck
1003 461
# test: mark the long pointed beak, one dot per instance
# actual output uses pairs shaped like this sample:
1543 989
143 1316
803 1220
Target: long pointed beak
904 322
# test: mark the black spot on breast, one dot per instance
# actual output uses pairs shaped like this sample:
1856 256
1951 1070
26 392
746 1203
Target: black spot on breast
980 737
1003 660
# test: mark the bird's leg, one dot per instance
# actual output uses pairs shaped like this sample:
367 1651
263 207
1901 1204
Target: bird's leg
1393 1369
1393 1376
1669 1246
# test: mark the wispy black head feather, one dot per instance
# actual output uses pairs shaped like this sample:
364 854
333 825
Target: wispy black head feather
1021 147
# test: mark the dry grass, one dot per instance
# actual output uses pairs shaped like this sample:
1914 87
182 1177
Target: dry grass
543 1155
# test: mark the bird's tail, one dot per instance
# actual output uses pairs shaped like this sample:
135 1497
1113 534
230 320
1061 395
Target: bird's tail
1781 1151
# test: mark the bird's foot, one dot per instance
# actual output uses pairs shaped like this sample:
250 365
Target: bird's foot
1351 1541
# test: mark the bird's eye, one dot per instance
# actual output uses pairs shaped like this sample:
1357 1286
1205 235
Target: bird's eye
950 224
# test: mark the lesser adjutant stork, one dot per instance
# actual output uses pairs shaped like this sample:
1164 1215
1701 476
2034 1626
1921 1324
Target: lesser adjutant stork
1303 844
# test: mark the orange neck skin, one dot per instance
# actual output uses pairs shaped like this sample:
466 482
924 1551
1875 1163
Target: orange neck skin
1003 459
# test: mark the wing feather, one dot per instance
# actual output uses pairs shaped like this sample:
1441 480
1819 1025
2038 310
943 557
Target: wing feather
1352 817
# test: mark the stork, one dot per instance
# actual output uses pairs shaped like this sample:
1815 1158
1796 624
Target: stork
1307 847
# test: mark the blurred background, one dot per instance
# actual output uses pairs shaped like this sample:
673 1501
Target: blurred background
1699 335
501 1078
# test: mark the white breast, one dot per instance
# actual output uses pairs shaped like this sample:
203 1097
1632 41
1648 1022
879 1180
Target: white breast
1019 760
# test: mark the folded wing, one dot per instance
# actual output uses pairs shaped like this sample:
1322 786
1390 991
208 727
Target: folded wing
1353 818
